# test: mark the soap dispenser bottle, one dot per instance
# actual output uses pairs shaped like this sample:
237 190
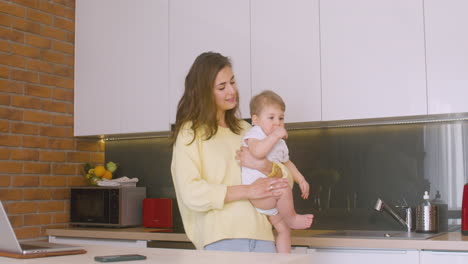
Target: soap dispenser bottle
427 216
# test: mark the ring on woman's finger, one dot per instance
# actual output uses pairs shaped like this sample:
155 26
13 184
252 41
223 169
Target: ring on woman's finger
271 187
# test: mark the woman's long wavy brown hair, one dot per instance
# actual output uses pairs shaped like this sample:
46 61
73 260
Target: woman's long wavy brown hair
198 104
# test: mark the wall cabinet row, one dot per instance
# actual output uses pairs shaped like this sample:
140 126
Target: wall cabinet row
329 60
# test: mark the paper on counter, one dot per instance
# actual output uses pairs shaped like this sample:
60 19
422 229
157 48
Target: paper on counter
122 181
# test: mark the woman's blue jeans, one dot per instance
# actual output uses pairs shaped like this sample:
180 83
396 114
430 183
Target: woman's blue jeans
242 245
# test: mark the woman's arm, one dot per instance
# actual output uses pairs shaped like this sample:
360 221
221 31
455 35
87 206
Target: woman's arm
192 189
261 188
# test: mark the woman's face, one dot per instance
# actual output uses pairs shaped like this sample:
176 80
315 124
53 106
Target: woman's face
225 91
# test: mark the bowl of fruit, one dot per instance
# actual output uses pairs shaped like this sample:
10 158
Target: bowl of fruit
96 173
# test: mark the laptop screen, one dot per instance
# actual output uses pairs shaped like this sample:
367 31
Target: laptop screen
8 243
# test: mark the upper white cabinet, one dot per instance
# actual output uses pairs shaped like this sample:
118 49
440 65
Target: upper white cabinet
209 25
145 93
447 55
121 67
97 71
286 55
373 61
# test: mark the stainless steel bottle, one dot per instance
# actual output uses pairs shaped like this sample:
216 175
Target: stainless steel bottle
427 220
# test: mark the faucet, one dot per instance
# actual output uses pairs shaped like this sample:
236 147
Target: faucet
381 206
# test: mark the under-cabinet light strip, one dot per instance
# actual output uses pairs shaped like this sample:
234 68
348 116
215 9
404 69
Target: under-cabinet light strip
320 124
138 137
377 123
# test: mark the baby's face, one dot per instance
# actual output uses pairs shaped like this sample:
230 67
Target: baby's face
269 118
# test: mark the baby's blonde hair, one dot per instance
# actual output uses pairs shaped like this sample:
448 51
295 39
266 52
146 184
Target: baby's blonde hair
263 99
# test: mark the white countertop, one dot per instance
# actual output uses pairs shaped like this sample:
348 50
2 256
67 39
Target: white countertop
173 256
446 241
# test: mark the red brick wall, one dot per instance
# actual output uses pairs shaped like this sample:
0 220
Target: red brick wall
39 157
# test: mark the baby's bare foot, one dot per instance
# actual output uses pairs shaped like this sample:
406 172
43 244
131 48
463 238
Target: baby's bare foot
300 221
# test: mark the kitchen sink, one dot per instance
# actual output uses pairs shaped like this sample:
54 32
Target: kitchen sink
365 234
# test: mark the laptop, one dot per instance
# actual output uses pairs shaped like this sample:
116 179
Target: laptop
10 246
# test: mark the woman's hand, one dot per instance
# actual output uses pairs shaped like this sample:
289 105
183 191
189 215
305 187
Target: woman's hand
261 188
266 187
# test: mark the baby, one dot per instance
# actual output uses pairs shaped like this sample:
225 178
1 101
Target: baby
265 139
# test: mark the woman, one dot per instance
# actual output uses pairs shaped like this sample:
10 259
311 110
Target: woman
214 206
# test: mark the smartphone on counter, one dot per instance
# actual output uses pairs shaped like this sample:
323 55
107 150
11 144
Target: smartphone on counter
125 257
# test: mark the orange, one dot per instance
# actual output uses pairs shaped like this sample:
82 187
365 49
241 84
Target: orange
99 170
107 175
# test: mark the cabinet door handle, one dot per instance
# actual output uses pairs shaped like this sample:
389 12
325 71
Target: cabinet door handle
348 250
440 252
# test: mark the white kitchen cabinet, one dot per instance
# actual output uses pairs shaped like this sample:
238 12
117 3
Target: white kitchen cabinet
286 55
145 93
209 25
373 61
97 71
363 256
437 257
447 55
121 67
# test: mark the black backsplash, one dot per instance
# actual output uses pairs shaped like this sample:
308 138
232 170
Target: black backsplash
348 168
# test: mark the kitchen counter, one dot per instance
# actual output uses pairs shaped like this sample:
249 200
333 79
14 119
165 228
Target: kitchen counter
444 241
158 255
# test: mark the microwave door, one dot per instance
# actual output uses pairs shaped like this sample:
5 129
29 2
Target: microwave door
91 206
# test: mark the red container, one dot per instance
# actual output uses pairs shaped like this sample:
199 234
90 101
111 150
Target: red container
464 219
157 212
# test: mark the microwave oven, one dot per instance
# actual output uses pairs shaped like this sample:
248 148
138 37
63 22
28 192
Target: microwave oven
106 206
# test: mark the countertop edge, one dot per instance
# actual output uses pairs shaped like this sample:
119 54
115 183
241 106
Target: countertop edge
452 241
137 233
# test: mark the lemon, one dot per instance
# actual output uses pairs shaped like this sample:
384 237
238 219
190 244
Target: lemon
99 171
107 175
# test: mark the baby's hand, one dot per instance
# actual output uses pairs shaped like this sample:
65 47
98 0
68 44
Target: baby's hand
280 132
304 186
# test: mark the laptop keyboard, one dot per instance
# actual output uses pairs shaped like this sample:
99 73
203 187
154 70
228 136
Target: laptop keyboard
26 247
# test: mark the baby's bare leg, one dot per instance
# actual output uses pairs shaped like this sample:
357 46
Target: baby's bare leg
283 239
265 203
285 206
